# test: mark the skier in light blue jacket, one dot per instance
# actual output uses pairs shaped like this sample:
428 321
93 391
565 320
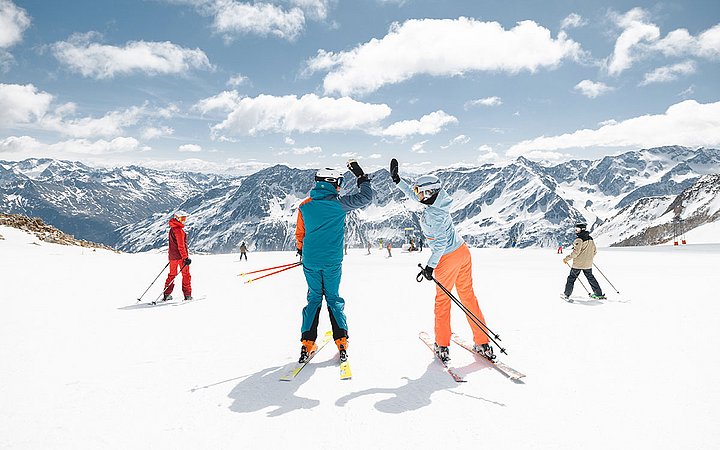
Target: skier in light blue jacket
449 263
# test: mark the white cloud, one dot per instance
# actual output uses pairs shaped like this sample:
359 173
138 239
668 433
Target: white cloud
13 22
375 156
225 101
669 73
289 141
306 150
237 80
230 166
29 146
232 17
22 104
419 147
314 9
487 154
111 124
96 60
457 140
573 20
432 123
150 133
487 101
641 38
448 47
307 114
592 89
346 155
194 148
687 123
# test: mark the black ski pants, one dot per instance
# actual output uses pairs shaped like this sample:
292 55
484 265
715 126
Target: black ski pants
574 273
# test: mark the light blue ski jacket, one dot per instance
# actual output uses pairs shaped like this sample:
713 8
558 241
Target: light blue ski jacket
437 225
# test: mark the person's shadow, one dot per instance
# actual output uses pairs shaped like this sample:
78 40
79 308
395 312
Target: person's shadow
264 390
416 394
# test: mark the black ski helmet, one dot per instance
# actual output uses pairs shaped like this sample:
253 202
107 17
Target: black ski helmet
581 225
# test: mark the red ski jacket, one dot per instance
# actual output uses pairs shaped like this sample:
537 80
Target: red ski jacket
177 241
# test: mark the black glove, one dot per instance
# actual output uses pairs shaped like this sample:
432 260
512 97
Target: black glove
427 272
355 168
394 171
187 261
299 252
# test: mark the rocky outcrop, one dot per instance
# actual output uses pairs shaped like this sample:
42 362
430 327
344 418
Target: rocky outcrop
45 232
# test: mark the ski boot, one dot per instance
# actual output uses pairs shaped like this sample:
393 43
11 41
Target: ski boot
307 349
484 350
188 298
342 346
566 297
165 298
598 296
443 353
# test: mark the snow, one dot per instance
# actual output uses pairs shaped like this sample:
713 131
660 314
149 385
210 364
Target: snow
704 234
84 366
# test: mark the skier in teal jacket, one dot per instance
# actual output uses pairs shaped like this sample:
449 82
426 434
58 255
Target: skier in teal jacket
320 236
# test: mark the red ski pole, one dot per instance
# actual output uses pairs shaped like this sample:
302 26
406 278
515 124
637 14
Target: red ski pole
269 268
277 271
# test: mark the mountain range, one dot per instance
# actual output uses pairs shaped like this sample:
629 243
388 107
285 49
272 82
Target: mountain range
635 198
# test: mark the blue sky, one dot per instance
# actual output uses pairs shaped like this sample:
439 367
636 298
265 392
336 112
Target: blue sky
233 86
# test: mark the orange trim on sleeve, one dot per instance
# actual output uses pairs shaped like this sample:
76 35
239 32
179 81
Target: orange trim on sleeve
300 228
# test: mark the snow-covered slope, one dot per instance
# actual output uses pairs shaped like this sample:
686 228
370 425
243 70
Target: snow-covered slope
84 367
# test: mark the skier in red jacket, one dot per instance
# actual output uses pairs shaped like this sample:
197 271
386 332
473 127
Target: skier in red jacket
178 255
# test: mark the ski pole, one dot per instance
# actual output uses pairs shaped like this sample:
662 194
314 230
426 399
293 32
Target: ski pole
269 268
581 283
480 324
606 278
273 273
153 281
170 282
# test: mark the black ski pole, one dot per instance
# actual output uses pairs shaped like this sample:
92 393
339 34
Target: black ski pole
480 324
153 281
170 282
606 278
581 283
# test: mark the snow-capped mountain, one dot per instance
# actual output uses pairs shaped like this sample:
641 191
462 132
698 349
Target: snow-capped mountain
90 203
522 203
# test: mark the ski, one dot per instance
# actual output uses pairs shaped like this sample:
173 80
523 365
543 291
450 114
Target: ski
345 372
498 365
450 371
567 299
185 302
297 367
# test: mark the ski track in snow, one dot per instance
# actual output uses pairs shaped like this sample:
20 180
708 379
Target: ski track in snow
82 367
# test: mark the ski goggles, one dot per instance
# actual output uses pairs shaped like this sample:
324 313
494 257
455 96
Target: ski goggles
421 192
336 181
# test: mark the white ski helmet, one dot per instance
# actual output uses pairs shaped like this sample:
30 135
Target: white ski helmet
426 188
332 176
180 215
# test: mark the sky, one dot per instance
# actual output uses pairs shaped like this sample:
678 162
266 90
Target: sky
228 86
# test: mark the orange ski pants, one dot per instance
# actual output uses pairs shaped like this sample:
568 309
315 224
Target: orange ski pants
455 270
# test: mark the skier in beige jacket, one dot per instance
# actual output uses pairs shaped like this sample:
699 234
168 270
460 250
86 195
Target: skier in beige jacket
584 251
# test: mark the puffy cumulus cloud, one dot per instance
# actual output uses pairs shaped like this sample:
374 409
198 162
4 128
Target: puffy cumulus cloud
487 101
314 9
73 148
193 148
432 123
447 47
486 154
669 73
225 101
592 89
22 104
687 123
95 60
641 38
13 22
307 114
573 20
231 18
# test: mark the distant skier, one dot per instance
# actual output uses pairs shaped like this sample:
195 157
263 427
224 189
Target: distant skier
584 251
369 247
178 255
243 251
389 249
421 242
450 262
559 250
320 234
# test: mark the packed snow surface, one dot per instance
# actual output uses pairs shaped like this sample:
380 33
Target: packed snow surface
85 366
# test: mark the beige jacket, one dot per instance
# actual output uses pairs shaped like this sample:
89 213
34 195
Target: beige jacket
583 253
